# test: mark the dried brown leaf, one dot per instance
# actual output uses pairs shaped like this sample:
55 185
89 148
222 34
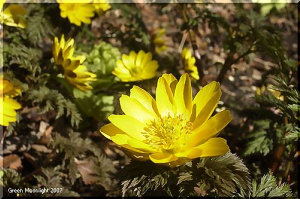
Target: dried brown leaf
12 161
41 148
86 169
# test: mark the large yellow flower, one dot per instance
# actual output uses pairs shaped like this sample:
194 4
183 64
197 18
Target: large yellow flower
189 63
172 129
8 106
13 15
159 40
136 67
73 70
77 13
101 6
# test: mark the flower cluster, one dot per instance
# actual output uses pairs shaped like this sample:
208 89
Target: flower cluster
8 106
13 15
73 70
189 63
82 12
172 129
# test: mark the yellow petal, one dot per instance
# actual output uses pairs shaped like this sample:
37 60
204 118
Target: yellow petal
162 157
110 130
139 57
121 138
129 60
131 143
6 120
210 128
212 147
171 81
183 96
164 98
135 109
129 125
211 93
13 16
144 98
150 67
9 103
146 58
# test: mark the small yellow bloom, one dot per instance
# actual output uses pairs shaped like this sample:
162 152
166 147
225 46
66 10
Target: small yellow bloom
101 6
73 70
159 40
189 63
8 106
77 74
62 49
172 129
77 13
136 67
275 93
13 15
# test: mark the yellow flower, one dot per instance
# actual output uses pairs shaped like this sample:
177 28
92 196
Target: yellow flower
73 70
77 74
8 106
101 6
13 15
136 67
77 13
62 49
189 63
159 40
172 129
275 93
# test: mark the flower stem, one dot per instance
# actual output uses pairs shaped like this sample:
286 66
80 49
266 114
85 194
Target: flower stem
194 45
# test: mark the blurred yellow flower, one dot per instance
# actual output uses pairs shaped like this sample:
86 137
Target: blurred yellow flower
159 40
275 93
136 67
172 129
73 70
62 49
8 106
13 15
77 13
189 63
77 74
101 6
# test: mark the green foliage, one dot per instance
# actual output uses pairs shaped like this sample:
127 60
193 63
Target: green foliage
53 178
50 100
10 178
102 104
102 59
261 139
268 187
36 23
24 57
266 8
96 169
214 176
136 35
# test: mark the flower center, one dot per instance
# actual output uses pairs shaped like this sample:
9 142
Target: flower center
168 133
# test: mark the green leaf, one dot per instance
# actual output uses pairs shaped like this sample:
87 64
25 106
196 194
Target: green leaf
102 104
215 176
268 188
